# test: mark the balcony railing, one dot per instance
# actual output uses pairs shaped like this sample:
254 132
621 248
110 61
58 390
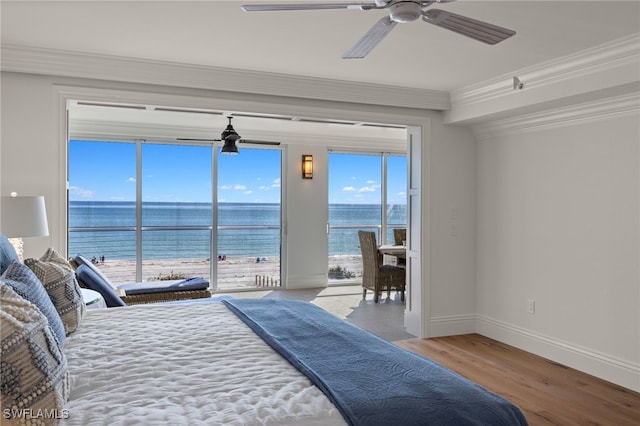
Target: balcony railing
248 256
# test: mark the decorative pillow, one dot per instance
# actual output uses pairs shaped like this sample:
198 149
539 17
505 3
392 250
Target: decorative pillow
35 379
24 282
72 263
94 280
59 279
7 253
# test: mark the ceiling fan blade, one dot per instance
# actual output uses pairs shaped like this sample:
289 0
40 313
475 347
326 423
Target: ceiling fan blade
306 6
477 30
259 142
371 39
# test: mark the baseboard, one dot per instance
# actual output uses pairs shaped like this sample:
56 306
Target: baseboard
451 325
601 365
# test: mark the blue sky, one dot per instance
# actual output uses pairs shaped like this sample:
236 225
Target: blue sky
107 172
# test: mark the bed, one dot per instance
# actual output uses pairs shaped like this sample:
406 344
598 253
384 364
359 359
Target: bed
204 363
184 364
210 362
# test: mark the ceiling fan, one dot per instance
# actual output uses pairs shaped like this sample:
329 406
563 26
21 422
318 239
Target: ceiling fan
400 11
229 136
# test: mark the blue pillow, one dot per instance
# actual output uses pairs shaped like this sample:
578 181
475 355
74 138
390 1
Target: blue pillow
94 280
24 282
7 254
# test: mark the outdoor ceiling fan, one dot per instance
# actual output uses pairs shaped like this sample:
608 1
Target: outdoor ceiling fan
400 11
229 136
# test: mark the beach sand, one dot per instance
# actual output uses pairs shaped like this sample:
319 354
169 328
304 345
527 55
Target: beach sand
233 273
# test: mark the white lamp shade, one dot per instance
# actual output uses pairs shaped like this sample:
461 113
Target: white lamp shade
23 217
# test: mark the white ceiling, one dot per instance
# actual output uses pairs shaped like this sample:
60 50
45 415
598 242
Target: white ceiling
416 54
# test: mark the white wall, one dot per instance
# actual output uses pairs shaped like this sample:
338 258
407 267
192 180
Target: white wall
450 234
30 150
558 223
307 217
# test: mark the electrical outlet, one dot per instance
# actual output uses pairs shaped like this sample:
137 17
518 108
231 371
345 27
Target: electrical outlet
531 306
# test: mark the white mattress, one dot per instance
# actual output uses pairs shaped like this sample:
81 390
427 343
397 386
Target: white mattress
184 364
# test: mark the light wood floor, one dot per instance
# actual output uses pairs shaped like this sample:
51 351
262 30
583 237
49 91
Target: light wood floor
547 393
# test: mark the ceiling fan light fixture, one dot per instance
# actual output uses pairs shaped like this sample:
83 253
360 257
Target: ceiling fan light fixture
229 136
405 12
229 147
229 132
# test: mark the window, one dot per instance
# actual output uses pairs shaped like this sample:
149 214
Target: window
249 218
164 235
366 192
176 193
102 204
144 211
396 200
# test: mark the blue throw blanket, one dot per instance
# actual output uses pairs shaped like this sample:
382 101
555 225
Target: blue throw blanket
371 381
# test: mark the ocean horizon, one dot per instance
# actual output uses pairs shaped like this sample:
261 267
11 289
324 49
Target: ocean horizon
174 230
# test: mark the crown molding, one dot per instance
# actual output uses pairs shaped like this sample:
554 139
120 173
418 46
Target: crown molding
588 111
63 63
596 69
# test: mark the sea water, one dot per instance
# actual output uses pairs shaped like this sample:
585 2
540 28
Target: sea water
183 230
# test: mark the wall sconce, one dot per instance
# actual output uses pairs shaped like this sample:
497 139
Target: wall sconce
307 166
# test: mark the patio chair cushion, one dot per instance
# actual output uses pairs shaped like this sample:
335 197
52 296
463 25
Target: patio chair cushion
93 279
194 283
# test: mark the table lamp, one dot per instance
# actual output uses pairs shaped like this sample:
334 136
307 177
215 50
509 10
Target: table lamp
23 217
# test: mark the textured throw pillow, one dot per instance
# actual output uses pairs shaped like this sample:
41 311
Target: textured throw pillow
24 282
7 253
35 380
59 279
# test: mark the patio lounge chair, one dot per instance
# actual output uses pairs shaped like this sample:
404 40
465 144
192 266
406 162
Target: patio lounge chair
90 276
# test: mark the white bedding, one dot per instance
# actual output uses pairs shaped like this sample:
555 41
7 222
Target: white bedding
185 364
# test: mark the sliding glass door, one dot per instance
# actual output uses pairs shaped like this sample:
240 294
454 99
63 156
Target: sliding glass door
102 205
176 224
366 192
249 217
148 211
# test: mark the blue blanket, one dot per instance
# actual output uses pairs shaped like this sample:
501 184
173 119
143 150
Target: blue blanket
371 381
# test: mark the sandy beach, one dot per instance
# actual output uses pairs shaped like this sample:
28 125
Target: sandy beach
239 272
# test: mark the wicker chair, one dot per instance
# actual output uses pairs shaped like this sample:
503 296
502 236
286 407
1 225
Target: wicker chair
399 235
376 276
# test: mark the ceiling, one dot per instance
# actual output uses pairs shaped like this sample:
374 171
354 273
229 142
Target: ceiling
310 43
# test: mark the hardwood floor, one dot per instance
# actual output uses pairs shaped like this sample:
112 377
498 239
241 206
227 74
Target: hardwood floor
548 393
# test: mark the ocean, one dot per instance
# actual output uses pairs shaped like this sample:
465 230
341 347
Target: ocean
180 230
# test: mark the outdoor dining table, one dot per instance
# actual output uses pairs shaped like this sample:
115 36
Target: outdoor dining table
397 251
